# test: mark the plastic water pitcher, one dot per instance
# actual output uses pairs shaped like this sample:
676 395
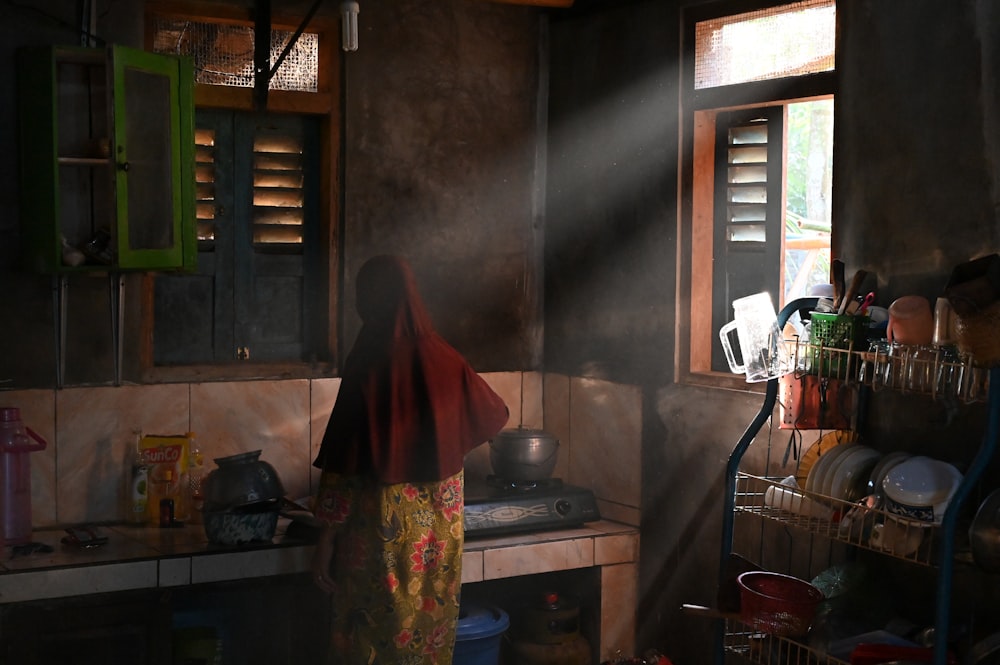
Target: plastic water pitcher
16 441
764 354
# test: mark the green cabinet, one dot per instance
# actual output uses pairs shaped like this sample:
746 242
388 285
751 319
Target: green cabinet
107 160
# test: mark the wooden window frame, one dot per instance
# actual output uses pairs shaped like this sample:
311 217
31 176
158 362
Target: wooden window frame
698 112
324 103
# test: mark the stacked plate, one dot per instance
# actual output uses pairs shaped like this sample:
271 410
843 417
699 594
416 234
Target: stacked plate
881 469
843 472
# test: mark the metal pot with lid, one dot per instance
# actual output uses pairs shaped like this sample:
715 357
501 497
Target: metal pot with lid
523 454
242 481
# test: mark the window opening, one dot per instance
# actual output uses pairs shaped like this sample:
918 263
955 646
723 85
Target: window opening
761 165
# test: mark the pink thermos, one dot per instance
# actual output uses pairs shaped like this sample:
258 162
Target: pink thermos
16 441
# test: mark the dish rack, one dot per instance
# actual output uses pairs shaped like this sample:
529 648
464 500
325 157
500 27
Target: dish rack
938 373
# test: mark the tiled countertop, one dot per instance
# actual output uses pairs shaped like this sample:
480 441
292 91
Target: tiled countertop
601 543
145 558
142 558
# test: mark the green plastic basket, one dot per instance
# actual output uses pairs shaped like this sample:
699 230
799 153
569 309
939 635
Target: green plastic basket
838 330
835 331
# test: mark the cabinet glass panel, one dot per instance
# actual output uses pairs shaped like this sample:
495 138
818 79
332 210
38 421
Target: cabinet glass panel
150 161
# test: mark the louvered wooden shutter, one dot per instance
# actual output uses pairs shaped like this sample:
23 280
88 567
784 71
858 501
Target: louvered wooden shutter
749 212
257 293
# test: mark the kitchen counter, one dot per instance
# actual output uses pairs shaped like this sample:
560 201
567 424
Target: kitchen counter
136 558
609 547
142 558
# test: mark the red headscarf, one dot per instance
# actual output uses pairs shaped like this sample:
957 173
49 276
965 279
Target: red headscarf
410 407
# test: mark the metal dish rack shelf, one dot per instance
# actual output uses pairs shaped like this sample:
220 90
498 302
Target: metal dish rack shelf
763 649
940 373
842 521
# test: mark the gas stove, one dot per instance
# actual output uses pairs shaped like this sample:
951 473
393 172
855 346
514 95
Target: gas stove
498 506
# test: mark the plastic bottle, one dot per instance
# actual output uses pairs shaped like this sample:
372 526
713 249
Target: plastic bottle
195 498
136 483
16 441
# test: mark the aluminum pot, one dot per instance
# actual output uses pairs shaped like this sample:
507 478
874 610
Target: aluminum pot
523 454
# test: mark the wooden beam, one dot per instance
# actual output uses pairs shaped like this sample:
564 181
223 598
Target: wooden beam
537 3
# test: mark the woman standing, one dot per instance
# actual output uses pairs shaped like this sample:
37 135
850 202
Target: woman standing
391 492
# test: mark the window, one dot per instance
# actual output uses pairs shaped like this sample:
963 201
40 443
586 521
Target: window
757 157
262 300
254 295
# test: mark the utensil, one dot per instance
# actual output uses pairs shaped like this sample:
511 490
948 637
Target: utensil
984 534
910 321
240 526
523 454
241 480
849 477
866 303
919 489
818 449
777 604
899 537
765 355
837 278
852 290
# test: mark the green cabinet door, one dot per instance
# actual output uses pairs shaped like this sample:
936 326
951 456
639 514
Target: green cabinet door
107 162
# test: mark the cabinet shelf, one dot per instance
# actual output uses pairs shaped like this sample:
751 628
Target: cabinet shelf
84 161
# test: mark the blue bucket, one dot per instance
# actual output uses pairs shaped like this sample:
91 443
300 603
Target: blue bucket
477 640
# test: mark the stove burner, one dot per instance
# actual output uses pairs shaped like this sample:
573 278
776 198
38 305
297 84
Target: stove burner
506 484
501 506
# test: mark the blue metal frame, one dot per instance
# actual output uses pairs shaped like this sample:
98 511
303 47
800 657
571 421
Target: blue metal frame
733 467
948 522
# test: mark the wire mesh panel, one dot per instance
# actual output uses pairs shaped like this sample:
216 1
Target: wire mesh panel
787 40
223 53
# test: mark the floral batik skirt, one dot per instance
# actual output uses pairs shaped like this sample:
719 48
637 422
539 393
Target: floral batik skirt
397 569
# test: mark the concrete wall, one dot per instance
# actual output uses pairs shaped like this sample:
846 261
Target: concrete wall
446 162
915 193
443 132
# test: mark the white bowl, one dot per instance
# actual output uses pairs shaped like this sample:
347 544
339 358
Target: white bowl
920 488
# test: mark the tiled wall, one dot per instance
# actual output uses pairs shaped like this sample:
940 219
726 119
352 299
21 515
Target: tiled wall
78 478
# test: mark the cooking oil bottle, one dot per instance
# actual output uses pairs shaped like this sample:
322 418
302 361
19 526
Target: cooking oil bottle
136 482
196 475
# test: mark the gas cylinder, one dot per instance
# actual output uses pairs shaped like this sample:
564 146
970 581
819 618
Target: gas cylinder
547 632
16 441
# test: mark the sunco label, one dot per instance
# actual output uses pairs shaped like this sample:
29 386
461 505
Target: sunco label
165 450
164 454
